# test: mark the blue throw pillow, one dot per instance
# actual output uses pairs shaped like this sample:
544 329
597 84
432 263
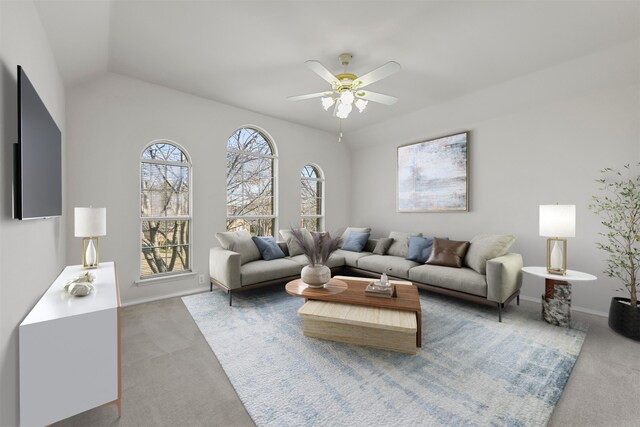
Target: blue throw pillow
268 248
420 248
355 241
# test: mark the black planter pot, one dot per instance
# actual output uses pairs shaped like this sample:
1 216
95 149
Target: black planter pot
624 319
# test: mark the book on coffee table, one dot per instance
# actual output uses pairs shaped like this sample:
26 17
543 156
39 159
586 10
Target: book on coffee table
375 291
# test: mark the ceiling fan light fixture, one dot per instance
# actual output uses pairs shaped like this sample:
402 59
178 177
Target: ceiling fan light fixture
343 110
327 102
347 97
361 104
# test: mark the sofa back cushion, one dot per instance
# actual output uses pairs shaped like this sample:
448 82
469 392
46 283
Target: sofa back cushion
355 241
240 242
400 245
485 247
268 248
448 253
292 245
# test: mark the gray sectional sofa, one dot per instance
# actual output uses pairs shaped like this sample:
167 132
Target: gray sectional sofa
484 277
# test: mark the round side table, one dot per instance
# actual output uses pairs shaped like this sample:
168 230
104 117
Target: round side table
556 301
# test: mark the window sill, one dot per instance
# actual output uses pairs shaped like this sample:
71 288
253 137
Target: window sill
167 278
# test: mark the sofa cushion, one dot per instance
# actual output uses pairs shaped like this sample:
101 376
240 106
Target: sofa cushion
392 265
262 271
356 229
400 245
335 260
458 279
268 248
351 258
240 242
485 247
355 241
448 253
292 244
382 246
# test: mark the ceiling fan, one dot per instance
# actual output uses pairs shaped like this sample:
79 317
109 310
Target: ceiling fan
347 89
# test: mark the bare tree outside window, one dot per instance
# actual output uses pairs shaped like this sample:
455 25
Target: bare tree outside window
250 183
311 197
165 214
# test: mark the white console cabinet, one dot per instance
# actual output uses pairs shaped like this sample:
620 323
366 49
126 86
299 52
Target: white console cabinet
70 350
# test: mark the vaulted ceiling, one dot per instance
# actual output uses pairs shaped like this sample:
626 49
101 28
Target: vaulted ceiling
251 54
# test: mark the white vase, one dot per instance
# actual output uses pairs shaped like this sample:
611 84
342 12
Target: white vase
316 276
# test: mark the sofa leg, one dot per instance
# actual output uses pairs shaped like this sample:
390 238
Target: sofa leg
210 286
230 298
518 299
499 312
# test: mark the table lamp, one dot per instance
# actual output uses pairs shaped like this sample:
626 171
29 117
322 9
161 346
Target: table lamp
90 223
556 222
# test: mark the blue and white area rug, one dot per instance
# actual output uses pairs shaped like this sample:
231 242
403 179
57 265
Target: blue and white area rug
471 371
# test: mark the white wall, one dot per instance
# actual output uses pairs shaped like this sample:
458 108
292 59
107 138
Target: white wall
32 253
111 119
540 139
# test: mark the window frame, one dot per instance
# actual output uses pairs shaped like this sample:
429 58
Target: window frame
274 176
189 270
320 179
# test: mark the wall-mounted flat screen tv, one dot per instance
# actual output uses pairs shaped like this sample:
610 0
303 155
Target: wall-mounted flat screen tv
38 189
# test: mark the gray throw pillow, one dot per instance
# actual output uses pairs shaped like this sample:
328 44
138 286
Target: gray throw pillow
485 247
382 247
292 245
240 242
400 245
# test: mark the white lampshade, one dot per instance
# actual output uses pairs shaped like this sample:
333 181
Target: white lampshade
90 222
558 220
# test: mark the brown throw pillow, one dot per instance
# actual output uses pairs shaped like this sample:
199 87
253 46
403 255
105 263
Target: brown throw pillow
448 253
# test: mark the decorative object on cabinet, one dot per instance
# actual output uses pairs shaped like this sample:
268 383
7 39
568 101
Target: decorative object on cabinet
90 223
557 222
433 176
80 286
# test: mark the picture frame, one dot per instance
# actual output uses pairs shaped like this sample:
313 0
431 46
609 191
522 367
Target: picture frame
433 175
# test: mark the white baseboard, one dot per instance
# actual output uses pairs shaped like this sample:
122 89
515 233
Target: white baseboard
573 307
161 297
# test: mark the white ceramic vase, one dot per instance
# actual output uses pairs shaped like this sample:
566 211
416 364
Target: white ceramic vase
316 276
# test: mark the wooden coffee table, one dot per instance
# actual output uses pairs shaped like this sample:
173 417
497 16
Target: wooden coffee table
346 314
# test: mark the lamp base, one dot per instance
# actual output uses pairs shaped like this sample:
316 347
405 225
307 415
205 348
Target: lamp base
557 256
89 253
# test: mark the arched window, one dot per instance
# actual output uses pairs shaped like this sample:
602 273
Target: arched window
251 165
312 198
165 209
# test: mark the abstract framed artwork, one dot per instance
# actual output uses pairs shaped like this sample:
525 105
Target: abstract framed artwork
433 176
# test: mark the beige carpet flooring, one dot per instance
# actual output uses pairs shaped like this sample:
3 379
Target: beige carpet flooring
171 377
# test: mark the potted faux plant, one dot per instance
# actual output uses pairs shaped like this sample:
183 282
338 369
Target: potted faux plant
618 206
318 249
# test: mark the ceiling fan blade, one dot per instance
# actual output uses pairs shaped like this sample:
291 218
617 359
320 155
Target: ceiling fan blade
320 70
377 97
379 73
308 96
